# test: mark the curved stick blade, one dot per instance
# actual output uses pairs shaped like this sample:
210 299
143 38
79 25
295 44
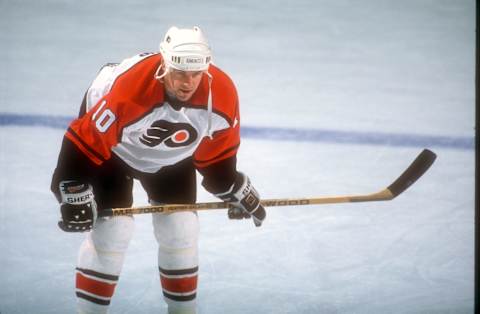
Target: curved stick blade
417 168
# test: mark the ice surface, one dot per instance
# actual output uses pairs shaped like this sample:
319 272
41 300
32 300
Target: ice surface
383 66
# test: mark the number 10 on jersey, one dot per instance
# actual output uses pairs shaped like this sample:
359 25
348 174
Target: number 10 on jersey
103 118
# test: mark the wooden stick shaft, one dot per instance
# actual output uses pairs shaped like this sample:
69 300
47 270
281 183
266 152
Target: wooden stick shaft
383 195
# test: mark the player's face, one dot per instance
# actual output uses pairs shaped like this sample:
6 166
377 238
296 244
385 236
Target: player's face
182 84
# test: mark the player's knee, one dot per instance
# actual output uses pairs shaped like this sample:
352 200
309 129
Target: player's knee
176 231
113 234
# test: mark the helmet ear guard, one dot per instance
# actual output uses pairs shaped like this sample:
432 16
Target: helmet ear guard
185 50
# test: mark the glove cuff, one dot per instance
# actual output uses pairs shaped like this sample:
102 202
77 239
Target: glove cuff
75 192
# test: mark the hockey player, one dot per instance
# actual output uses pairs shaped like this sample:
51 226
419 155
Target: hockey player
158 118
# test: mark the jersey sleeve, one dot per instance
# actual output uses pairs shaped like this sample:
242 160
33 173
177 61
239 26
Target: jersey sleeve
224 144
94 132
98 130
109 105
216 160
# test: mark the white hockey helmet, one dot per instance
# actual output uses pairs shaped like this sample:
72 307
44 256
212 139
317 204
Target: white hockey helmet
186 49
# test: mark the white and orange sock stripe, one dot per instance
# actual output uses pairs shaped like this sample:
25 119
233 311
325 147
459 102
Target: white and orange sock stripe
95 287
179 285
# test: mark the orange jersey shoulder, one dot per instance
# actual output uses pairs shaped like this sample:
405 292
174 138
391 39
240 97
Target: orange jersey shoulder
225 97
135 81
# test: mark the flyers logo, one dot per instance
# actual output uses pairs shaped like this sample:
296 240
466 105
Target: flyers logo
171 134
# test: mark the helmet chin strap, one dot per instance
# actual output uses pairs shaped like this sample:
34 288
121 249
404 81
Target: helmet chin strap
209 106
159 75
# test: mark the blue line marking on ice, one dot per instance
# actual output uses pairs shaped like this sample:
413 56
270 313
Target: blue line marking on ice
14 119
358 137
285 134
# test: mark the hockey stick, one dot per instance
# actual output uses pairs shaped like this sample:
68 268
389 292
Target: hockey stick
416 169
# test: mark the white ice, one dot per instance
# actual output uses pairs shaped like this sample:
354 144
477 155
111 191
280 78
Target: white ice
377 66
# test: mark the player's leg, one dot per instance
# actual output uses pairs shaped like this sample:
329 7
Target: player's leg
100 262
177 236
102 253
